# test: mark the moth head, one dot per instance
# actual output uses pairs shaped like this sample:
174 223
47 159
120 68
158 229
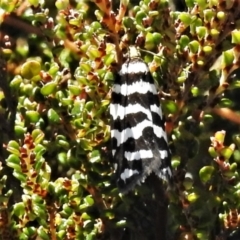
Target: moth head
131 53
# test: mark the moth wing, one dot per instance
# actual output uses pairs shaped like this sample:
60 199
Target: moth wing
139 142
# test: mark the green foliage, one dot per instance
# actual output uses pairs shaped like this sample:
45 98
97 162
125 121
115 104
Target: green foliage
56 172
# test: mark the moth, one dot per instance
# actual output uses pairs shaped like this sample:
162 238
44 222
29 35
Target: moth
138 137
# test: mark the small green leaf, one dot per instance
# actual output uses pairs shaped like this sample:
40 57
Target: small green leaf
89 200
85 144
35 3
236 36
62 4
208 14
93 52
13 161
170 106
140 16
202 235
29 231
227 58
96 25
185 18
37 135
195 91
30 69
95 156
15 83
85 216
214 32
233 167
19 131
42 233
221 15
184 41
121 223
220 136
194 46
19 209
53 116
38 165
227 151
149 42
89 106
128 23
13 147
208 118
20 176
225 102
192 197
205 173
201 32
33 116
188 181
157 37
207 49
212 152
62 158
108 60
48 88
75 90
202 3
62 141
67 209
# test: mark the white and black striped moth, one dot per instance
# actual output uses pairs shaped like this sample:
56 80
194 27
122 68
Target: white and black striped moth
139 141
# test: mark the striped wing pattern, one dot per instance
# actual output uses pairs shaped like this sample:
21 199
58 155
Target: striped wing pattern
139 141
